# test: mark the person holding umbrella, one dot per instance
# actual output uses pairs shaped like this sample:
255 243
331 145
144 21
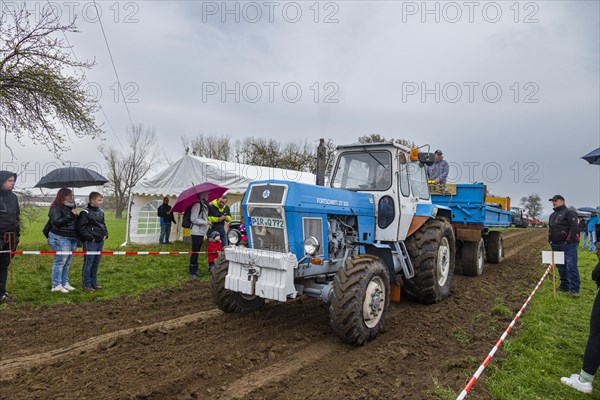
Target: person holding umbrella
9 222
199 218
62 237
193 203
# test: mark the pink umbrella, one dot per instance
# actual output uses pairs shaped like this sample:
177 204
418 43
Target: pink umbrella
190 196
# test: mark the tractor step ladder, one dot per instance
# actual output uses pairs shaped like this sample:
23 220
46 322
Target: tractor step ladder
405 262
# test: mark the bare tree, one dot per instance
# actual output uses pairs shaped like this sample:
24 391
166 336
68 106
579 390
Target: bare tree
36 94
127 168
209 146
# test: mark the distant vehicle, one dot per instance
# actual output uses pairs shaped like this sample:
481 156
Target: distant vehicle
519 218
537 223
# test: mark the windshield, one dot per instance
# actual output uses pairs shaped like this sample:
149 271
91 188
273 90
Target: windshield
363 170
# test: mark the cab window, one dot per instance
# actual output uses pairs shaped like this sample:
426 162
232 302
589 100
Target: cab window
365 170
418 180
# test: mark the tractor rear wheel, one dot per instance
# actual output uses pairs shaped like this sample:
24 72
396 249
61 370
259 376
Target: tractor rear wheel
431 249
227 300
360 299
473 258
494 247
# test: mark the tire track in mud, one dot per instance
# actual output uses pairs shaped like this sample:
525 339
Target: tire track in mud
8 368
281 369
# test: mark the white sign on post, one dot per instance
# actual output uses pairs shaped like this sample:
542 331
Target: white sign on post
559 257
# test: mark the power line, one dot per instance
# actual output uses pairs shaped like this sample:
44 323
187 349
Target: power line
113 62
85 77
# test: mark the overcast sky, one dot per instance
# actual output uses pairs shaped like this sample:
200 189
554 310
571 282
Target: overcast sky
509 91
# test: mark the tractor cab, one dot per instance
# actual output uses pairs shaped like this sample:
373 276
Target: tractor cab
395 175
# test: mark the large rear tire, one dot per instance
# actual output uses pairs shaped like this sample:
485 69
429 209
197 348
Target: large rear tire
360 299
431 249
494 248
227 300
473 258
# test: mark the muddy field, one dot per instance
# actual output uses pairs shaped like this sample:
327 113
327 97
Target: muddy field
175 345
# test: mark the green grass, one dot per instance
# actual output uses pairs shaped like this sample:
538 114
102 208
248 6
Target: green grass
548 343
119 275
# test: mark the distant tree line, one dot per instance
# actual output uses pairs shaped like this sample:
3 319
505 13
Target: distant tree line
294 155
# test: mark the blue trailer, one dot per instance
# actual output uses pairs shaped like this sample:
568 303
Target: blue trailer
472 218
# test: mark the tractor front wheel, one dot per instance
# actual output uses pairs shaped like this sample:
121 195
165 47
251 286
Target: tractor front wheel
360 299
227 300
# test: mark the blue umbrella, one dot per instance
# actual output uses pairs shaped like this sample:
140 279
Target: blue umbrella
589 209
593 157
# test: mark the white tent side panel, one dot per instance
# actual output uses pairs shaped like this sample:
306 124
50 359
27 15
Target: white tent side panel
144 224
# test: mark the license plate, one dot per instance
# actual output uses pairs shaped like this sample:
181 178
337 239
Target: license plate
268 222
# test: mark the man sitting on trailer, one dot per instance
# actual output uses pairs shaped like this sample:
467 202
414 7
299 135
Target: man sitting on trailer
438 171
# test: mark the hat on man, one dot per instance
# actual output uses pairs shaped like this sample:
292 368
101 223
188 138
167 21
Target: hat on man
557 197
438 151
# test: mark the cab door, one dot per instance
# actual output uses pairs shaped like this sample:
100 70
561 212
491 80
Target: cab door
408 203
387 207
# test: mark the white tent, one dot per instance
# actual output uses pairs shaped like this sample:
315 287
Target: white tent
143 224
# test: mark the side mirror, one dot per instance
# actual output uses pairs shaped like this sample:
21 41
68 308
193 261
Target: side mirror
427 158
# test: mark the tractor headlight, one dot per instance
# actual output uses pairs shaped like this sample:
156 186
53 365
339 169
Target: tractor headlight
234 236
311 246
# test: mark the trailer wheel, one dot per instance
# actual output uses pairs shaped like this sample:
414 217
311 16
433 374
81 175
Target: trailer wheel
360 299
494 248
473 258
432 251
227 300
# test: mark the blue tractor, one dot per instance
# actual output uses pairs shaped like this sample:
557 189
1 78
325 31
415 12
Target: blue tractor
354 244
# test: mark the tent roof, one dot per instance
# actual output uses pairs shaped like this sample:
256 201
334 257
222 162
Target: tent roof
192 170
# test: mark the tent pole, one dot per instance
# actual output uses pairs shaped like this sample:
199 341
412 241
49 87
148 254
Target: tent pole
128 220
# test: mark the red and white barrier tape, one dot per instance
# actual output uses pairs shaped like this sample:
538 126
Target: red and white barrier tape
104 253
479 371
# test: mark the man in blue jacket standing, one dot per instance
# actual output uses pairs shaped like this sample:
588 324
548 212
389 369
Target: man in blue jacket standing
438 171
594 220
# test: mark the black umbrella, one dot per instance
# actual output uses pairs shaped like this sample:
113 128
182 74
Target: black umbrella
593 157
71 177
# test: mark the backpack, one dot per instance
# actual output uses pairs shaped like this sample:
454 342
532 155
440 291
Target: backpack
186 222
47 228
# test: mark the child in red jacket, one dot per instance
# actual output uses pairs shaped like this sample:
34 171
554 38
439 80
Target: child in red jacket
214 247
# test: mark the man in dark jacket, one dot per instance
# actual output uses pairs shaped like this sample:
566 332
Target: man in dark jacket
9 223
166 218
563 235
92 233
